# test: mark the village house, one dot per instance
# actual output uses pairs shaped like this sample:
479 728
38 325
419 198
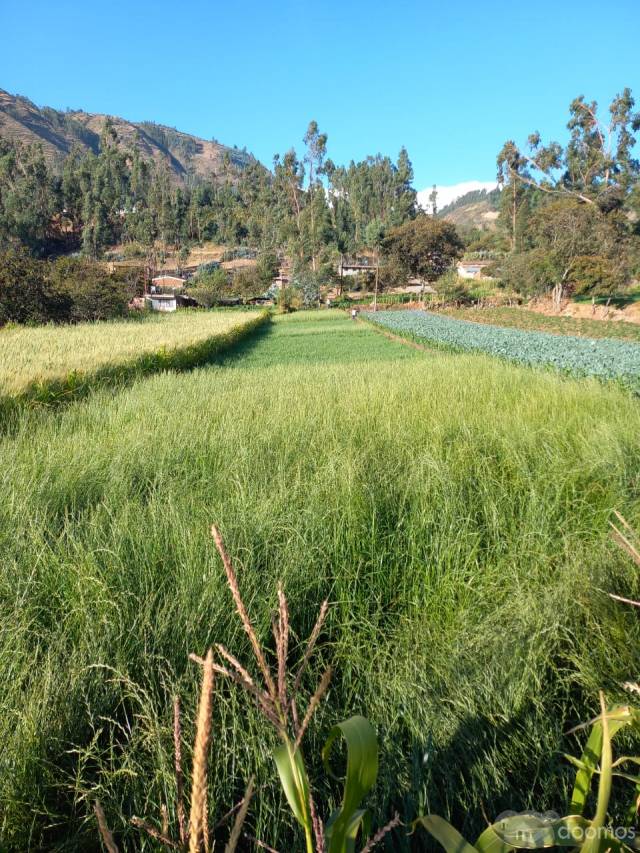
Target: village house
164 293
172 283
363 263
161 301
472 269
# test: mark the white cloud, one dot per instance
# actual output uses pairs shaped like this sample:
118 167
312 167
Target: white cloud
447 194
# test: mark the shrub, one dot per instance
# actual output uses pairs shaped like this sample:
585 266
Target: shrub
247 283
453 288
26 294
91 293
209 286
267 268
530 273
307 283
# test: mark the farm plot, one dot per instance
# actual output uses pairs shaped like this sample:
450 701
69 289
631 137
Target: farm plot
453 509
45 353
521 318
605 359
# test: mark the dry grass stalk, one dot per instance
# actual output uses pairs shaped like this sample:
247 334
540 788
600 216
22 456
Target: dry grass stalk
177 747
263 699
324 607
165 820
624 600
235 663
275 704
313 704
244 616
200 752
260 844
205 826
380 834
318 829
625 541
105 832
162 837
282 646
236 831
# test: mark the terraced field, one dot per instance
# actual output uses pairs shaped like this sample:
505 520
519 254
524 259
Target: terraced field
454 510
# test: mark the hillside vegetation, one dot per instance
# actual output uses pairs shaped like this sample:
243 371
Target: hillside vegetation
462 553
476 209
185 156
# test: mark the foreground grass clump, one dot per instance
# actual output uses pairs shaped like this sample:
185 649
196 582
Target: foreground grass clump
40 354
606 359
453 509
520 318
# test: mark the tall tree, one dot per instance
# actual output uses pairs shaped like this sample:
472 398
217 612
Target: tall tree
424 247
597 166
316 144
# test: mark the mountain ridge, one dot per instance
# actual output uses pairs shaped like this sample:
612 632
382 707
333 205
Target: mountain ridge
188 158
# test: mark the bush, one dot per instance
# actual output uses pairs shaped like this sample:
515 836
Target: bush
267 268
595 275
69 290
209 285
90 291
26 294
530 273
453 288
307 283
247 283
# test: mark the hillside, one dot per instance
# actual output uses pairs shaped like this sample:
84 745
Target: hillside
185 155
475 209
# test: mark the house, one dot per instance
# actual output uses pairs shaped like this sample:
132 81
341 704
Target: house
472 269
161 301
362 263
167 282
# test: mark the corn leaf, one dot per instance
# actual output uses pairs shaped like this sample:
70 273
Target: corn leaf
445 834
590 758
361 774
293 777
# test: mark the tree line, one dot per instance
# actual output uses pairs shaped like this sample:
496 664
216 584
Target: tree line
570 215
307 207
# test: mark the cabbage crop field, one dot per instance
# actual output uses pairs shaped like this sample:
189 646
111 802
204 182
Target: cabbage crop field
602 358
521 318
453 509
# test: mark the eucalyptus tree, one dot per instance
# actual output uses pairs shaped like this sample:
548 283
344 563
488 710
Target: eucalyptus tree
597 166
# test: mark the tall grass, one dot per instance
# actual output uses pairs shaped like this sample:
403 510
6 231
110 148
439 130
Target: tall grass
45 353
453 509
198 346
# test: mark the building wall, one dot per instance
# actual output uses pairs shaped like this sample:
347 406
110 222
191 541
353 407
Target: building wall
163 304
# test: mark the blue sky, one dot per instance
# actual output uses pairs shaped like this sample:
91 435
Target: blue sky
449 80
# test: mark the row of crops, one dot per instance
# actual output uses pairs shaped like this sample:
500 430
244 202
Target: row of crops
606 359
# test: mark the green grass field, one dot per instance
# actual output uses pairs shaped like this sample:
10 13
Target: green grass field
453 508
520 318
44 353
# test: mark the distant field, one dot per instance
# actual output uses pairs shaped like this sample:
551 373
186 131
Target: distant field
29 355
520 318
603 358
454 510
